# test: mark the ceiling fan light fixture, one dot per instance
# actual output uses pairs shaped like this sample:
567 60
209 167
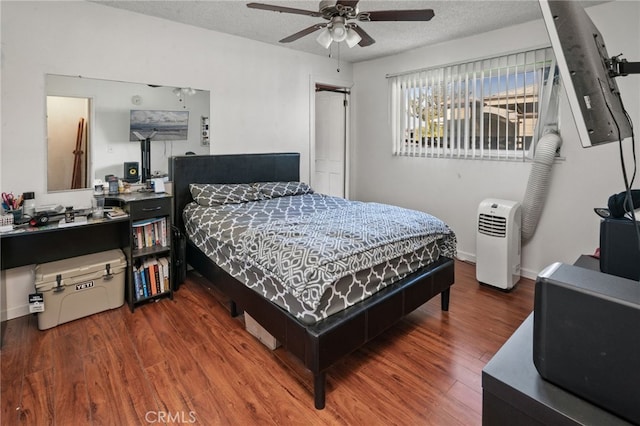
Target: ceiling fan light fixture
338 30
353 37
324 38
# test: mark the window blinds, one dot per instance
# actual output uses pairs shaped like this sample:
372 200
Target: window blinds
486 109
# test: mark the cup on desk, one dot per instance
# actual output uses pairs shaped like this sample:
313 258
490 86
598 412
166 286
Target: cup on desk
97 207
17 215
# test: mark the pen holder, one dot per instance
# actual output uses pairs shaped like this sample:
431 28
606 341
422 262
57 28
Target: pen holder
17 215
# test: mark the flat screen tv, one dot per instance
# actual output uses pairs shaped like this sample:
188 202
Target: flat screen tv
167 125
587 73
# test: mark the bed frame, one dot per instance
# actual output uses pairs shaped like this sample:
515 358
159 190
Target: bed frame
319 345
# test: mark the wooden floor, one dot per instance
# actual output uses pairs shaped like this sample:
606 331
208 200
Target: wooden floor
187 361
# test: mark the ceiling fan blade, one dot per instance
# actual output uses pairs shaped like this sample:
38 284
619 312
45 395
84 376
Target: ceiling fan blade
397 15
367 40
302 33
283 9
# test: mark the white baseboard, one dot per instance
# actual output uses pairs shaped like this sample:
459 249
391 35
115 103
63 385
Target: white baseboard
15 312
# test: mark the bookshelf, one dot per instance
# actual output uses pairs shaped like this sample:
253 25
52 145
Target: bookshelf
150 252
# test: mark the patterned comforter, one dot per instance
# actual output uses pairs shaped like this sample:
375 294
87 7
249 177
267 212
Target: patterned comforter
313 254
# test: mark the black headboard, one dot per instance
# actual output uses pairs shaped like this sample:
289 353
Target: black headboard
232 168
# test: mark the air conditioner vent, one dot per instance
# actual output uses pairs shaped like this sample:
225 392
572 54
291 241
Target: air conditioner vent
496 226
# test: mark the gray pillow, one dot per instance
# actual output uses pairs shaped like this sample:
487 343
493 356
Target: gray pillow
215 194
283 189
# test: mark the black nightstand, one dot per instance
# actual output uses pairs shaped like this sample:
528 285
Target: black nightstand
150 253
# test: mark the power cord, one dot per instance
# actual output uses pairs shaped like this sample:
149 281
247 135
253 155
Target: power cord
628 201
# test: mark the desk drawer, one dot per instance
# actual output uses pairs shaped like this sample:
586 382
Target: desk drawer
149 208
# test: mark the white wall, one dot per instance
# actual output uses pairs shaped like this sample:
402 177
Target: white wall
452 189
260 101
260 94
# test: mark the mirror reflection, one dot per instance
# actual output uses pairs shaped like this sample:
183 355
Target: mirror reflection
89 128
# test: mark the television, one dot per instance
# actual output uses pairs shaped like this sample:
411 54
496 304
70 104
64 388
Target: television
588 73
155 125
167 125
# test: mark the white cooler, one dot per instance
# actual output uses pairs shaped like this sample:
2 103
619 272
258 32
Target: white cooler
80 286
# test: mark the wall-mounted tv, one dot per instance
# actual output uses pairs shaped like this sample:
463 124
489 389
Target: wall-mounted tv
587 73
167 125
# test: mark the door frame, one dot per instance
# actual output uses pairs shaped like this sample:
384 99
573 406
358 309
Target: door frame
342 84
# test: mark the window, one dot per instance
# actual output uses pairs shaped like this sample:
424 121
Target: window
488 108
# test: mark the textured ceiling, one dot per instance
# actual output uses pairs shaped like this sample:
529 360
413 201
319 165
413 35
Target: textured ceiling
453 19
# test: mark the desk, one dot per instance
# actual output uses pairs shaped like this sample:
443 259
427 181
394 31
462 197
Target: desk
513 393
588 262
31 245
49 243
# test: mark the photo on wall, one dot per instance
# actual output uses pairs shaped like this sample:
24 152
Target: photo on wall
167 125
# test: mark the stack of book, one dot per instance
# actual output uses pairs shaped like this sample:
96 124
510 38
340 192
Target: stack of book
150 232
151 277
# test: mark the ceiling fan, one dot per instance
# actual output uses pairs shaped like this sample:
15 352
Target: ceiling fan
339 14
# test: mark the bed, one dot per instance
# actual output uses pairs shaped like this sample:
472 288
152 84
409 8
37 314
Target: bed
316 331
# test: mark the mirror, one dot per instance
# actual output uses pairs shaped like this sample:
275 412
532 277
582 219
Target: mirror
88 128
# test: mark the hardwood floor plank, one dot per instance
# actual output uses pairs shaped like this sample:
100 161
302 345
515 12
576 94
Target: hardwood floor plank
411 376
70 345
37 403
136 393
468 396
166 385
148 348
177 354
13 364
41 353
187 359
16 331
10 395
104 387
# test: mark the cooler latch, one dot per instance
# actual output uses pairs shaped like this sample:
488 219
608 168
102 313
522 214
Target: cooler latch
108 275
59 287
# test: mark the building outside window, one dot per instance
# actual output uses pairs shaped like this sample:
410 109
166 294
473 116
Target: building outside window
487 109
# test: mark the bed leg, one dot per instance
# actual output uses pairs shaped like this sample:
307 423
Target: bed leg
444 299
319 380
234 309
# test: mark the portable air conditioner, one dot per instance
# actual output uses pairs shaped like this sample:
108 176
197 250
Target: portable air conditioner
498 243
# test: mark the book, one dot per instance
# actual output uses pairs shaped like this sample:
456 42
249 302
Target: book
158 275
138 238
116 212
164 262
143 281
163 232
151 277
147 235
136 282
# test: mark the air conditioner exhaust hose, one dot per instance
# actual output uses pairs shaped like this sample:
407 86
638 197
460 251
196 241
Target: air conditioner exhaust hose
538 184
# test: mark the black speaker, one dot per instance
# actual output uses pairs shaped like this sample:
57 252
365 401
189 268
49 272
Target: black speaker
619 252
131 172
586 338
